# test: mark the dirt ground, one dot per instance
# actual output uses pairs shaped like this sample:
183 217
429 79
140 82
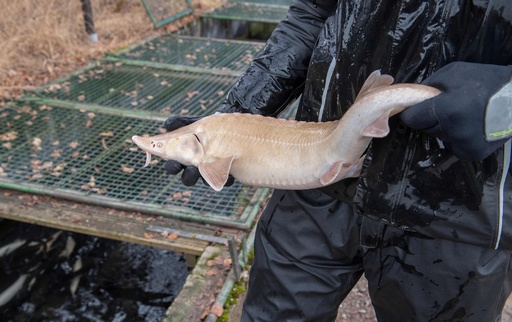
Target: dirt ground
45 40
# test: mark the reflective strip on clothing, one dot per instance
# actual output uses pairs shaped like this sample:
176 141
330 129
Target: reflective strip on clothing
506 164
498 115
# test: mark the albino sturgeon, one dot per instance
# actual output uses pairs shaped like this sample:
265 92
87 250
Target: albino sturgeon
285 154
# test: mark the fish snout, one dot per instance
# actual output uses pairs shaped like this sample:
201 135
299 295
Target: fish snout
137 140
144 144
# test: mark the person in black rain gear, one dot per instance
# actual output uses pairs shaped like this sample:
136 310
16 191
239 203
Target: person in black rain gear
429 220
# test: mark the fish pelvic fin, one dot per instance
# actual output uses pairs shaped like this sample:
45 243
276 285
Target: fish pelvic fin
340 170
216 173
378 128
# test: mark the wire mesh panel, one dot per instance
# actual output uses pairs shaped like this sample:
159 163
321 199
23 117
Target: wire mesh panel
88 156
246 11
162 12
141 88
195 51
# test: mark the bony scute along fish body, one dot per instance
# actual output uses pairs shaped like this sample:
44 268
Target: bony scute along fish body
285 154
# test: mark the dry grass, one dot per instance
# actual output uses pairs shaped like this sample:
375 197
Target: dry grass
43 40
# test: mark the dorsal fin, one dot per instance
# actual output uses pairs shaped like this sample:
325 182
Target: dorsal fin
374 81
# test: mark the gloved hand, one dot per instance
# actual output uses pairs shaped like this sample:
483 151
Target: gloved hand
190 174
457 116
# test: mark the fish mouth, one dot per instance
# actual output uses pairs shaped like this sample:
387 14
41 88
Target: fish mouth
140 142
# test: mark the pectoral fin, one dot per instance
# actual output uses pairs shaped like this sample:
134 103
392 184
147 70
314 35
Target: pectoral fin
378 128
340 170
216 172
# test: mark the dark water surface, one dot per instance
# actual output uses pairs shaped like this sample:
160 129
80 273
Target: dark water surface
52 275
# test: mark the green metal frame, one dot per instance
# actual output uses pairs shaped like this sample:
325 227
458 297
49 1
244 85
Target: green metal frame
186 10
249 11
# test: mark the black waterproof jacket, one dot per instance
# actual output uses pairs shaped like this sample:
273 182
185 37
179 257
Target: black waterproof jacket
326 49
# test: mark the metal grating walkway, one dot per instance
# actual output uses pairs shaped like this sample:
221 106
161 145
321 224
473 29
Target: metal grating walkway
141 89
193 51
86 156
71 138
162 12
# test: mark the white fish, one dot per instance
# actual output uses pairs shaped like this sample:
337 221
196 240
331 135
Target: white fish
9 248
285 154
12 290
76 280
70 246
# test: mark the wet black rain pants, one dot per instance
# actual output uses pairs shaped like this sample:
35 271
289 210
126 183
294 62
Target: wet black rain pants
310 250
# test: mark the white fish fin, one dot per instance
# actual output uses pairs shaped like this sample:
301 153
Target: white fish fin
375 80
216 172
378 128
340 170
336 169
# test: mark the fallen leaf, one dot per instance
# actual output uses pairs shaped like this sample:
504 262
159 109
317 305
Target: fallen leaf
100 191
217 310
104 144
148 236
36 143
173 236
92 182
9 136
109 133
56 153
192 94
204 314
126 169
45 108
73 144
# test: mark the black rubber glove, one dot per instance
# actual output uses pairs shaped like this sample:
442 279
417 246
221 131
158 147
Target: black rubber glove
457 115
190 174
